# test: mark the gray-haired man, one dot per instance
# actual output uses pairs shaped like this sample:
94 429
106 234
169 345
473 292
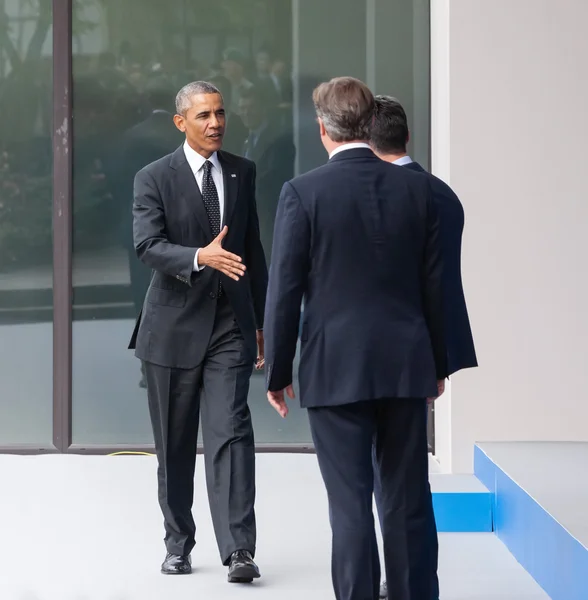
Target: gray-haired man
196 226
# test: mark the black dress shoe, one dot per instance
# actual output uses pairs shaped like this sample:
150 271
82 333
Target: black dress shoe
176 565
242 569
384 590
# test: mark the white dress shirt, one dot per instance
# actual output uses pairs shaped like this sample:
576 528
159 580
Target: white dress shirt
196 162
351 146
405 160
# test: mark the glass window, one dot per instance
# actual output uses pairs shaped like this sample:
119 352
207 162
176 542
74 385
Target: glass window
26 295
130 58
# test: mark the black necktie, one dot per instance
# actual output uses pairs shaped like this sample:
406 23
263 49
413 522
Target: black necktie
211 201
212 205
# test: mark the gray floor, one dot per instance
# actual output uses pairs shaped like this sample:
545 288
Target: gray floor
564 493
88 528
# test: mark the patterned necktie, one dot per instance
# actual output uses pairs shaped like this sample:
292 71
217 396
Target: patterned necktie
211 201
212 205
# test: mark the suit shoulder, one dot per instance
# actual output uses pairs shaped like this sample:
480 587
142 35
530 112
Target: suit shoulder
442 190
412 181
310 177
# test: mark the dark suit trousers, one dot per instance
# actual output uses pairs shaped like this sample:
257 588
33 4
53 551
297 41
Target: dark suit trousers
344 438
433 539
217 390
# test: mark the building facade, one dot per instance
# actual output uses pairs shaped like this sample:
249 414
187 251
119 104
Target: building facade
79 83
495 92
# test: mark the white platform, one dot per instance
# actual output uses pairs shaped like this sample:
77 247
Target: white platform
89 528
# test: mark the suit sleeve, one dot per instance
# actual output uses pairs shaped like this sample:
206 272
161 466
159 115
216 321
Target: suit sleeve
255 258
432 285
287 285
150 236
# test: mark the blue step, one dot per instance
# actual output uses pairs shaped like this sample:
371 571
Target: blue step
462 504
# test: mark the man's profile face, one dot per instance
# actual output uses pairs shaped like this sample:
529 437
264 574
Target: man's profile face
204 123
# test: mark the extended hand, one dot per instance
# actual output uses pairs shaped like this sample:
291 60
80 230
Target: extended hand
440 390
278 401
215 257
260 350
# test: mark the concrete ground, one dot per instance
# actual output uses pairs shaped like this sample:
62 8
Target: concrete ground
89 528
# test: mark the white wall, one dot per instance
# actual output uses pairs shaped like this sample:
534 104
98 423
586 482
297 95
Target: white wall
510 134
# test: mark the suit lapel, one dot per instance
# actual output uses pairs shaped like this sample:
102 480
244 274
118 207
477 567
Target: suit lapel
189 190
231 185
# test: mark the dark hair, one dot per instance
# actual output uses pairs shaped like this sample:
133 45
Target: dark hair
390 126
345 105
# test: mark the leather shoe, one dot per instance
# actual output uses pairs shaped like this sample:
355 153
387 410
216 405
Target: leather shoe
242 569
383 591
176 565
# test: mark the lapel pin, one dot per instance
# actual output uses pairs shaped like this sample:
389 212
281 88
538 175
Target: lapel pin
233 175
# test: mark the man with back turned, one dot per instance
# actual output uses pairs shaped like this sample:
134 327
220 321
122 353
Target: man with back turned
357 239
389 139
196 226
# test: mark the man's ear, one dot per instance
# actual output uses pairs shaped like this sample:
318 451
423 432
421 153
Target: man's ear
408 138
322 128
180 123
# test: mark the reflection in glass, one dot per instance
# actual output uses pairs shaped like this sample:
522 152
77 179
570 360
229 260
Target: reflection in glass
130 58
26 297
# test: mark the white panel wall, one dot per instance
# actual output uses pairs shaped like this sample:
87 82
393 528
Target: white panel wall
510 133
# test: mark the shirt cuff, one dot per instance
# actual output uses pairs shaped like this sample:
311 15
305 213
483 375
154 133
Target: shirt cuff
197 267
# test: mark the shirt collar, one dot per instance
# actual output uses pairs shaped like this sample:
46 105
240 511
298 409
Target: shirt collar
405 160
196 161
351 146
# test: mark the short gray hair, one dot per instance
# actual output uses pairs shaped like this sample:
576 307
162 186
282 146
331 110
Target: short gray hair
185 95
345 105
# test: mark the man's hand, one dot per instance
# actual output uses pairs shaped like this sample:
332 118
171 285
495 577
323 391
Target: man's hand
260 350
440 390
278 401
215 257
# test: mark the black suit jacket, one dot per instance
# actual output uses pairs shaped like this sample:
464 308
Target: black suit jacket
358 238
170 224
461 353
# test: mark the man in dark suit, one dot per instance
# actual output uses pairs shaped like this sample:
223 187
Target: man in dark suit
195 225
389 139
358 240
273 152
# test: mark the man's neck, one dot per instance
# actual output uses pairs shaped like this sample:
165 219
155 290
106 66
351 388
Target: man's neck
334 145
391 158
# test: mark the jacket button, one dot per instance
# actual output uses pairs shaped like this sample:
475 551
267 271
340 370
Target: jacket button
212 295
